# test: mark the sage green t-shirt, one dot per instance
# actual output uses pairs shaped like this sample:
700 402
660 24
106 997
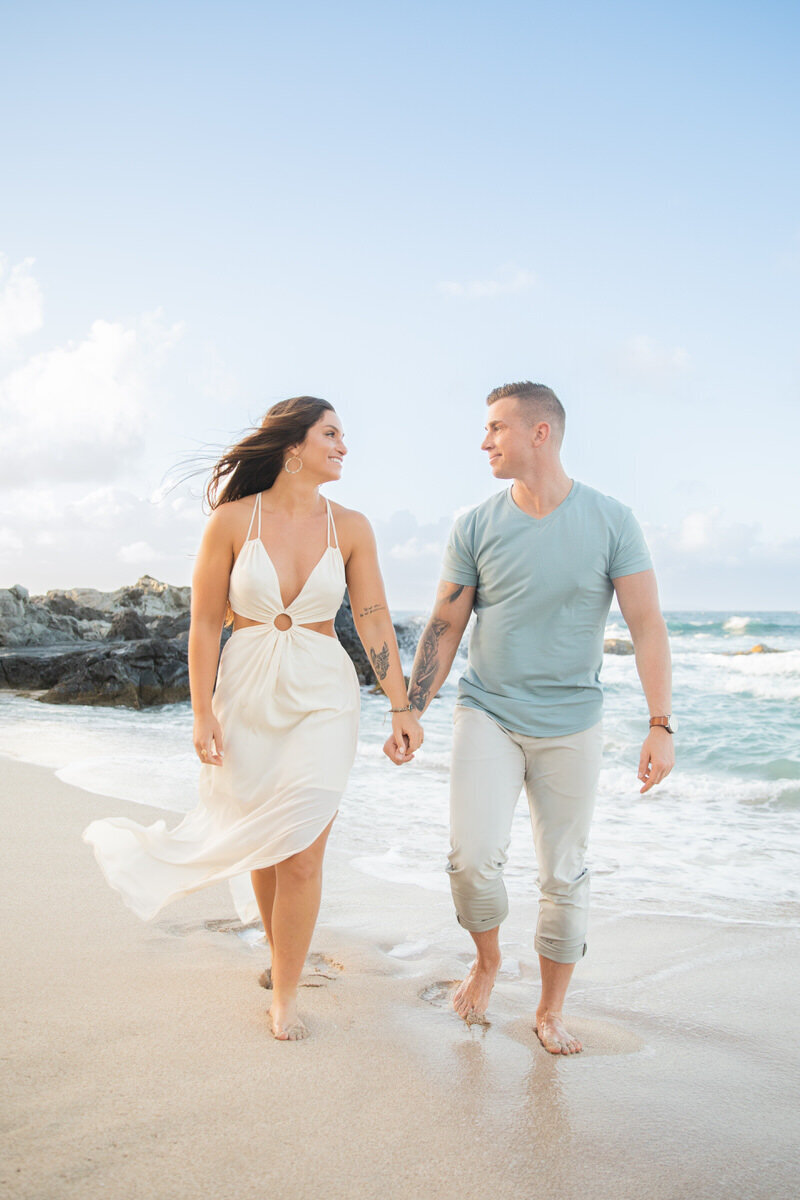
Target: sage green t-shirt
544 588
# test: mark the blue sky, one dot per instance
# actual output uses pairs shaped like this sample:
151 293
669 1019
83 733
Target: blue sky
207 207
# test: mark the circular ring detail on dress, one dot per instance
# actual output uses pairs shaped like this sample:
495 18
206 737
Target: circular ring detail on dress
283 622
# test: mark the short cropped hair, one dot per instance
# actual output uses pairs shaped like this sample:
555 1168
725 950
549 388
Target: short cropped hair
541 403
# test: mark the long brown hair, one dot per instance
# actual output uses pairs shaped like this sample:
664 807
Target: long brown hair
253 464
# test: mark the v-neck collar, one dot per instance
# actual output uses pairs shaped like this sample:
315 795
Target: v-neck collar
541 522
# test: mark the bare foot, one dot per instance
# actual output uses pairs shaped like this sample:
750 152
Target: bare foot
471 997
554 1035
286 1025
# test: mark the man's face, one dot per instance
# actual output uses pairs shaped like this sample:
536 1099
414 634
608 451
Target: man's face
508 438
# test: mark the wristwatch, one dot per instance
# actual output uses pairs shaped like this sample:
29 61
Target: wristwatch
669 723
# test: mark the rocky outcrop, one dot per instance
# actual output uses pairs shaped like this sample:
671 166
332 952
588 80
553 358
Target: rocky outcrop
84 614
618 646
36 668
136 675
127 626
150 597
758 649
346 633
26 621
171 627
126 647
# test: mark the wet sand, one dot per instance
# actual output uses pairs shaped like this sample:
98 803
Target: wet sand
138 1059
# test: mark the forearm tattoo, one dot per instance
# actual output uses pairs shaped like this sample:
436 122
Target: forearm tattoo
380 661
426 663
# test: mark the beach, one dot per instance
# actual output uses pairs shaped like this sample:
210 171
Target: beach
139 1060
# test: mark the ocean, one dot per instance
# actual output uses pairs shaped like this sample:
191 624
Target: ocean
720 838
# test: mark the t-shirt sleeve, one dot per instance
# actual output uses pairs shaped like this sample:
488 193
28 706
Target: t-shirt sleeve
459 560
630 553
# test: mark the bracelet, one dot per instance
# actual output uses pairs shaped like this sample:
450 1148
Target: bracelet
408 708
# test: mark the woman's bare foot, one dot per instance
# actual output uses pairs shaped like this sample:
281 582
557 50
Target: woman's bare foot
286 1025
554 1035
471 997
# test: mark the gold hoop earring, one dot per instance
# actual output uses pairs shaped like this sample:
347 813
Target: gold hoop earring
293 458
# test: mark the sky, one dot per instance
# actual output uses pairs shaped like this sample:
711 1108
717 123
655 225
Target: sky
207 207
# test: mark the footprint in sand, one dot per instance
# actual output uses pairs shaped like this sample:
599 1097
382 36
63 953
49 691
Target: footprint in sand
439 993
322 970
218 925
407 951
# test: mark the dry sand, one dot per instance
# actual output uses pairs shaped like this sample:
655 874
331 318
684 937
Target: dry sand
138 1061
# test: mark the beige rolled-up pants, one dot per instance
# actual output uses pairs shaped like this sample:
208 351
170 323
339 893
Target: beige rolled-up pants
490 766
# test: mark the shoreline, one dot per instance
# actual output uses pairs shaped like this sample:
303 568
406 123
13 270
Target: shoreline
142 1062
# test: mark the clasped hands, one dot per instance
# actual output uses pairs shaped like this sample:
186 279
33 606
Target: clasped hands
407 736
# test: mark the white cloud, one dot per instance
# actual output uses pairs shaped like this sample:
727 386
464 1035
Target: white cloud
414 547
20 303
709 561
10 542
78 412
712 535
643 356
696 531
709 540
103 537
509 281
139 554
103 508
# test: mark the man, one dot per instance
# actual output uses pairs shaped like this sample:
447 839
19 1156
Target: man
538 563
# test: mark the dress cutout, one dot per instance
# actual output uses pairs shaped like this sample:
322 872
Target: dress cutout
288 703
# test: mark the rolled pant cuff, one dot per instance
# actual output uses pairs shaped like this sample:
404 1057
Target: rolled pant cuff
482 926
560 953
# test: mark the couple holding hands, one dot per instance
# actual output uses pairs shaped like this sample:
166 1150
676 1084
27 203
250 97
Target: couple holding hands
276 716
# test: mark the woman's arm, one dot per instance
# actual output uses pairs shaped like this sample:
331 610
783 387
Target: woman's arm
374 627
210 582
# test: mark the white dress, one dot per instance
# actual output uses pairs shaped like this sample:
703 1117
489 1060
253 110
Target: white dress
288 703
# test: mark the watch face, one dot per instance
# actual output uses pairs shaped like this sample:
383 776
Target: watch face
673 724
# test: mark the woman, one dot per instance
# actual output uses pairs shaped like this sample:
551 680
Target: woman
278 735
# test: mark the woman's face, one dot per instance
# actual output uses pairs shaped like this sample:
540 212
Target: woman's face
323 450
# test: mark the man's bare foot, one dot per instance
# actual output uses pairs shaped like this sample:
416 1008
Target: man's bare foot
554 1035
471 997
286 1025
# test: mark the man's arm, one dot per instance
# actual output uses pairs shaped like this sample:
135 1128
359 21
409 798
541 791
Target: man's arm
439 642
436 650
638 600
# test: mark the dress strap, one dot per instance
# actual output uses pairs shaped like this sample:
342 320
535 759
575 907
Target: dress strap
256 509
331 526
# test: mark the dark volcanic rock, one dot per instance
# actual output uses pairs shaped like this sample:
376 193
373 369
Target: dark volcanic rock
346 633
127 626
63 605
169 627
131 651
33 668
136 674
